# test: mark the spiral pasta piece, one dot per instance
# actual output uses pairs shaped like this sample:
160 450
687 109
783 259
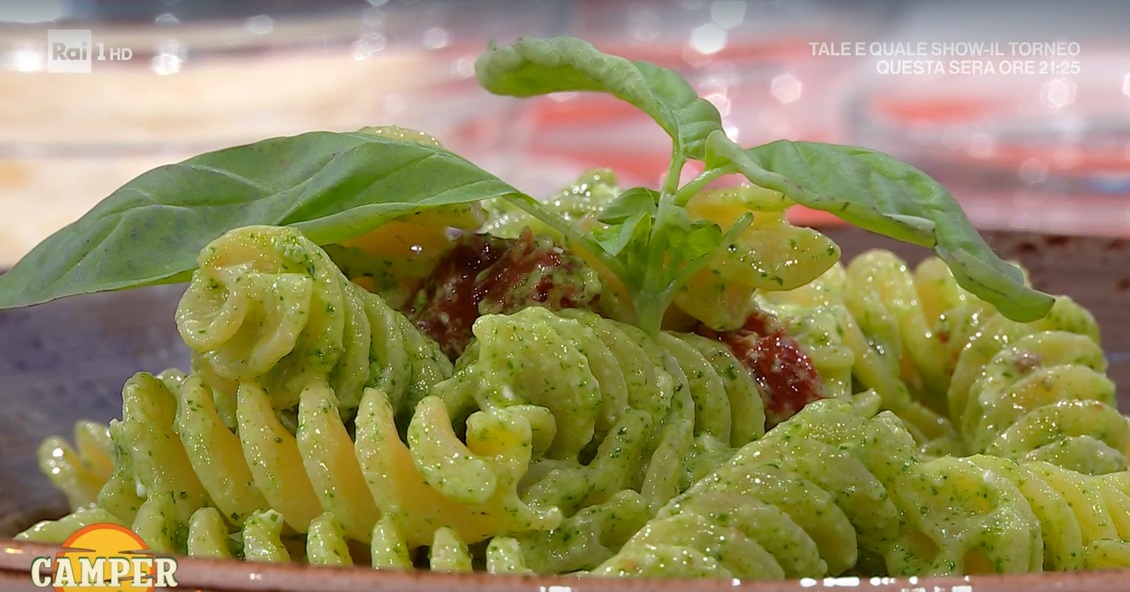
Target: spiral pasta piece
57 531
984 514
851 340
612 411
216 453
327 488
963 519
1051 373
770 512
79 471
269 306
416 507
887 300
262 538
770 255
586 538
1046 397
964 378
152 488
862 482
615 397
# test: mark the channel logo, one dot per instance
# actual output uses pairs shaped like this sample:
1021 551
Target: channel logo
69 51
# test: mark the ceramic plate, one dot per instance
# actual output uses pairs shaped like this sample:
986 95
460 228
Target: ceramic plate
67 360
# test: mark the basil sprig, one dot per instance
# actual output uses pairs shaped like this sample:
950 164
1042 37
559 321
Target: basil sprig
654 249
335 186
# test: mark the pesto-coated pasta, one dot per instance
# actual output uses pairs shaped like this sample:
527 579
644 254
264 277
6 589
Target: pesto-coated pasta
615 397
622 413
1046 397
862 491
852 340
771 255
269 306
323 483
984 514
964 378
79 471
400 361
1019 390
806 515
320 425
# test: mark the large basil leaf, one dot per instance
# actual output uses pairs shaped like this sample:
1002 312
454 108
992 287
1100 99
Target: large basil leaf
533 66
879 193
332 186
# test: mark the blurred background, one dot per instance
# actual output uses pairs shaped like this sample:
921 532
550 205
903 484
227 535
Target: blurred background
1021 108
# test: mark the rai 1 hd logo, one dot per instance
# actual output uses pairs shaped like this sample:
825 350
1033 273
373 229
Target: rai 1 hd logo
73 51
107 557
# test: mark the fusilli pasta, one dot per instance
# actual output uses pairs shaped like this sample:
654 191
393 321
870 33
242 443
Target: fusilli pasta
866 496
319 424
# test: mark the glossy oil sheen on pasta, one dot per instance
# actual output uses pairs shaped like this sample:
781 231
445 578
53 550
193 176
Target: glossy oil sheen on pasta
320 424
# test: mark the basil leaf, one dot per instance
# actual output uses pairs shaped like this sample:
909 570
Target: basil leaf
703 240
879 193
614 239
628 204
533 66
840 186
332 186
687 241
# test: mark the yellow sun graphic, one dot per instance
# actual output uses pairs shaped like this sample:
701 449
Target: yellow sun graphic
104 541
